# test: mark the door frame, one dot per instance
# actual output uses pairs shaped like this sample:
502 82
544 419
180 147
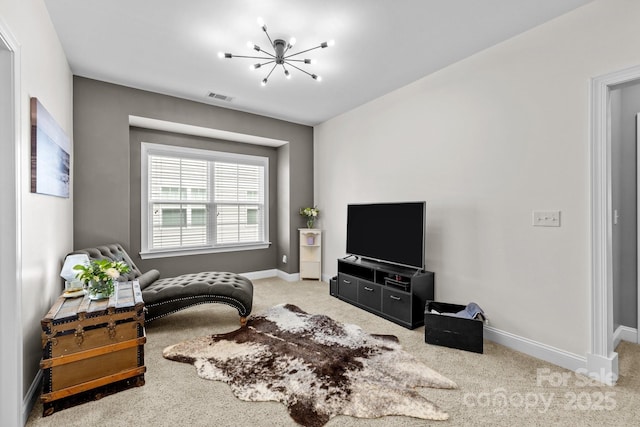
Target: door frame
602 360
638 227
11 383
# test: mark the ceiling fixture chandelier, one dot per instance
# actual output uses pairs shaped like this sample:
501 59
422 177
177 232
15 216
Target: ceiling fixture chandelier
280 56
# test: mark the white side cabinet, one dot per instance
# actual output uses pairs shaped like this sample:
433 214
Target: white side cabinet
310 253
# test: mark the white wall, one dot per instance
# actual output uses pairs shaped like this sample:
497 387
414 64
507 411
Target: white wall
47 233
485 142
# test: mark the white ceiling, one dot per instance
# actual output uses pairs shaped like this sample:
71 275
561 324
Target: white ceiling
171 46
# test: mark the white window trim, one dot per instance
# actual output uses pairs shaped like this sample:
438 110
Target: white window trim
148 149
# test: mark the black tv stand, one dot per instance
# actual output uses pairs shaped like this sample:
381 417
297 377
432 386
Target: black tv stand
396 293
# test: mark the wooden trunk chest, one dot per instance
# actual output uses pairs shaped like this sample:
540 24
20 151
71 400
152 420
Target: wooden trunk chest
92 348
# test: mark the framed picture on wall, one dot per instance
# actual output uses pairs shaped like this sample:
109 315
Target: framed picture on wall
50 154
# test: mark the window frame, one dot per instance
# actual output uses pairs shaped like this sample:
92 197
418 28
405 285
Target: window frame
148 149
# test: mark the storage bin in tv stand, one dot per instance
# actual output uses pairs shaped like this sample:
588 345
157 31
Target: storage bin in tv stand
396 293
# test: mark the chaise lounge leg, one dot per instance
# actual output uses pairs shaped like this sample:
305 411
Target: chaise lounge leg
243 322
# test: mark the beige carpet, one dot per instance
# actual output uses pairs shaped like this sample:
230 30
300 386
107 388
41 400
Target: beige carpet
499 388
317 367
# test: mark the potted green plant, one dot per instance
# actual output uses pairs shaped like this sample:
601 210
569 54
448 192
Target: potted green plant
99 275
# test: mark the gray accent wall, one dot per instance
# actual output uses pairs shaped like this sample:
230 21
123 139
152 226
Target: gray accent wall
262 259
284 237
107 172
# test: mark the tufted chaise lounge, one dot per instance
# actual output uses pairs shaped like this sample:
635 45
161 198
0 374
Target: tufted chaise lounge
169 295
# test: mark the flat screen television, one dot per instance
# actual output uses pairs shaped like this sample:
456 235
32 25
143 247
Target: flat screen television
389 232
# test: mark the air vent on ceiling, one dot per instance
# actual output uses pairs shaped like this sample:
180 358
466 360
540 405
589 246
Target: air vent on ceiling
220 97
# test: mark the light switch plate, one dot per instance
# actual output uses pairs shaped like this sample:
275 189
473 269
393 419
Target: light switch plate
546 218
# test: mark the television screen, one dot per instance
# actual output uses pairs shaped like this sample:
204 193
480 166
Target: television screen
392 232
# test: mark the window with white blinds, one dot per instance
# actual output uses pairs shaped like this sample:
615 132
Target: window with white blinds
199 200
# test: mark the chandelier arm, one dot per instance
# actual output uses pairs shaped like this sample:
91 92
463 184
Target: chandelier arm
253 57
267 53
295 60
300 69
268 36
273 68
303 51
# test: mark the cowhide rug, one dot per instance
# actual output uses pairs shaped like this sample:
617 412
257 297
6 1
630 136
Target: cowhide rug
317 367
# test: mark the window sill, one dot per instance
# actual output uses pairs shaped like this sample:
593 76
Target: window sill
166 253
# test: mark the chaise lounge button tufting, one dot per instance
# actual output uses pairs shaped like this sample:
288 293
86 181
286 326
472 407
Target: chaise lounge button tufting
169 295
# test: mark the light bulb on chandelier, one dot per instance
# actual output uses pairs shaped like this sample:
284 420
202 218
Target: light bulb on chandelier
280 56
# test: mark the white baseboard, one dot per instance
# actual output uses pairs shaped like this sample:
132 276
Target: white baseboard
536 349
30 399
288 276
625 333
265 274
603 369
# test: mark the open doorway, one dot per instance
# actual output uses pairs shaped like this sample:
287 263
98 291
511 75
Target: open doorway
602 360
10 298
624 107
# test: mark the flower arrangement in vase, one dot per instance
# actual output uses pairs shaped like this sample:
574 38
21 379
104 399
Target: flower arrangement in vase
99 275
311 215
